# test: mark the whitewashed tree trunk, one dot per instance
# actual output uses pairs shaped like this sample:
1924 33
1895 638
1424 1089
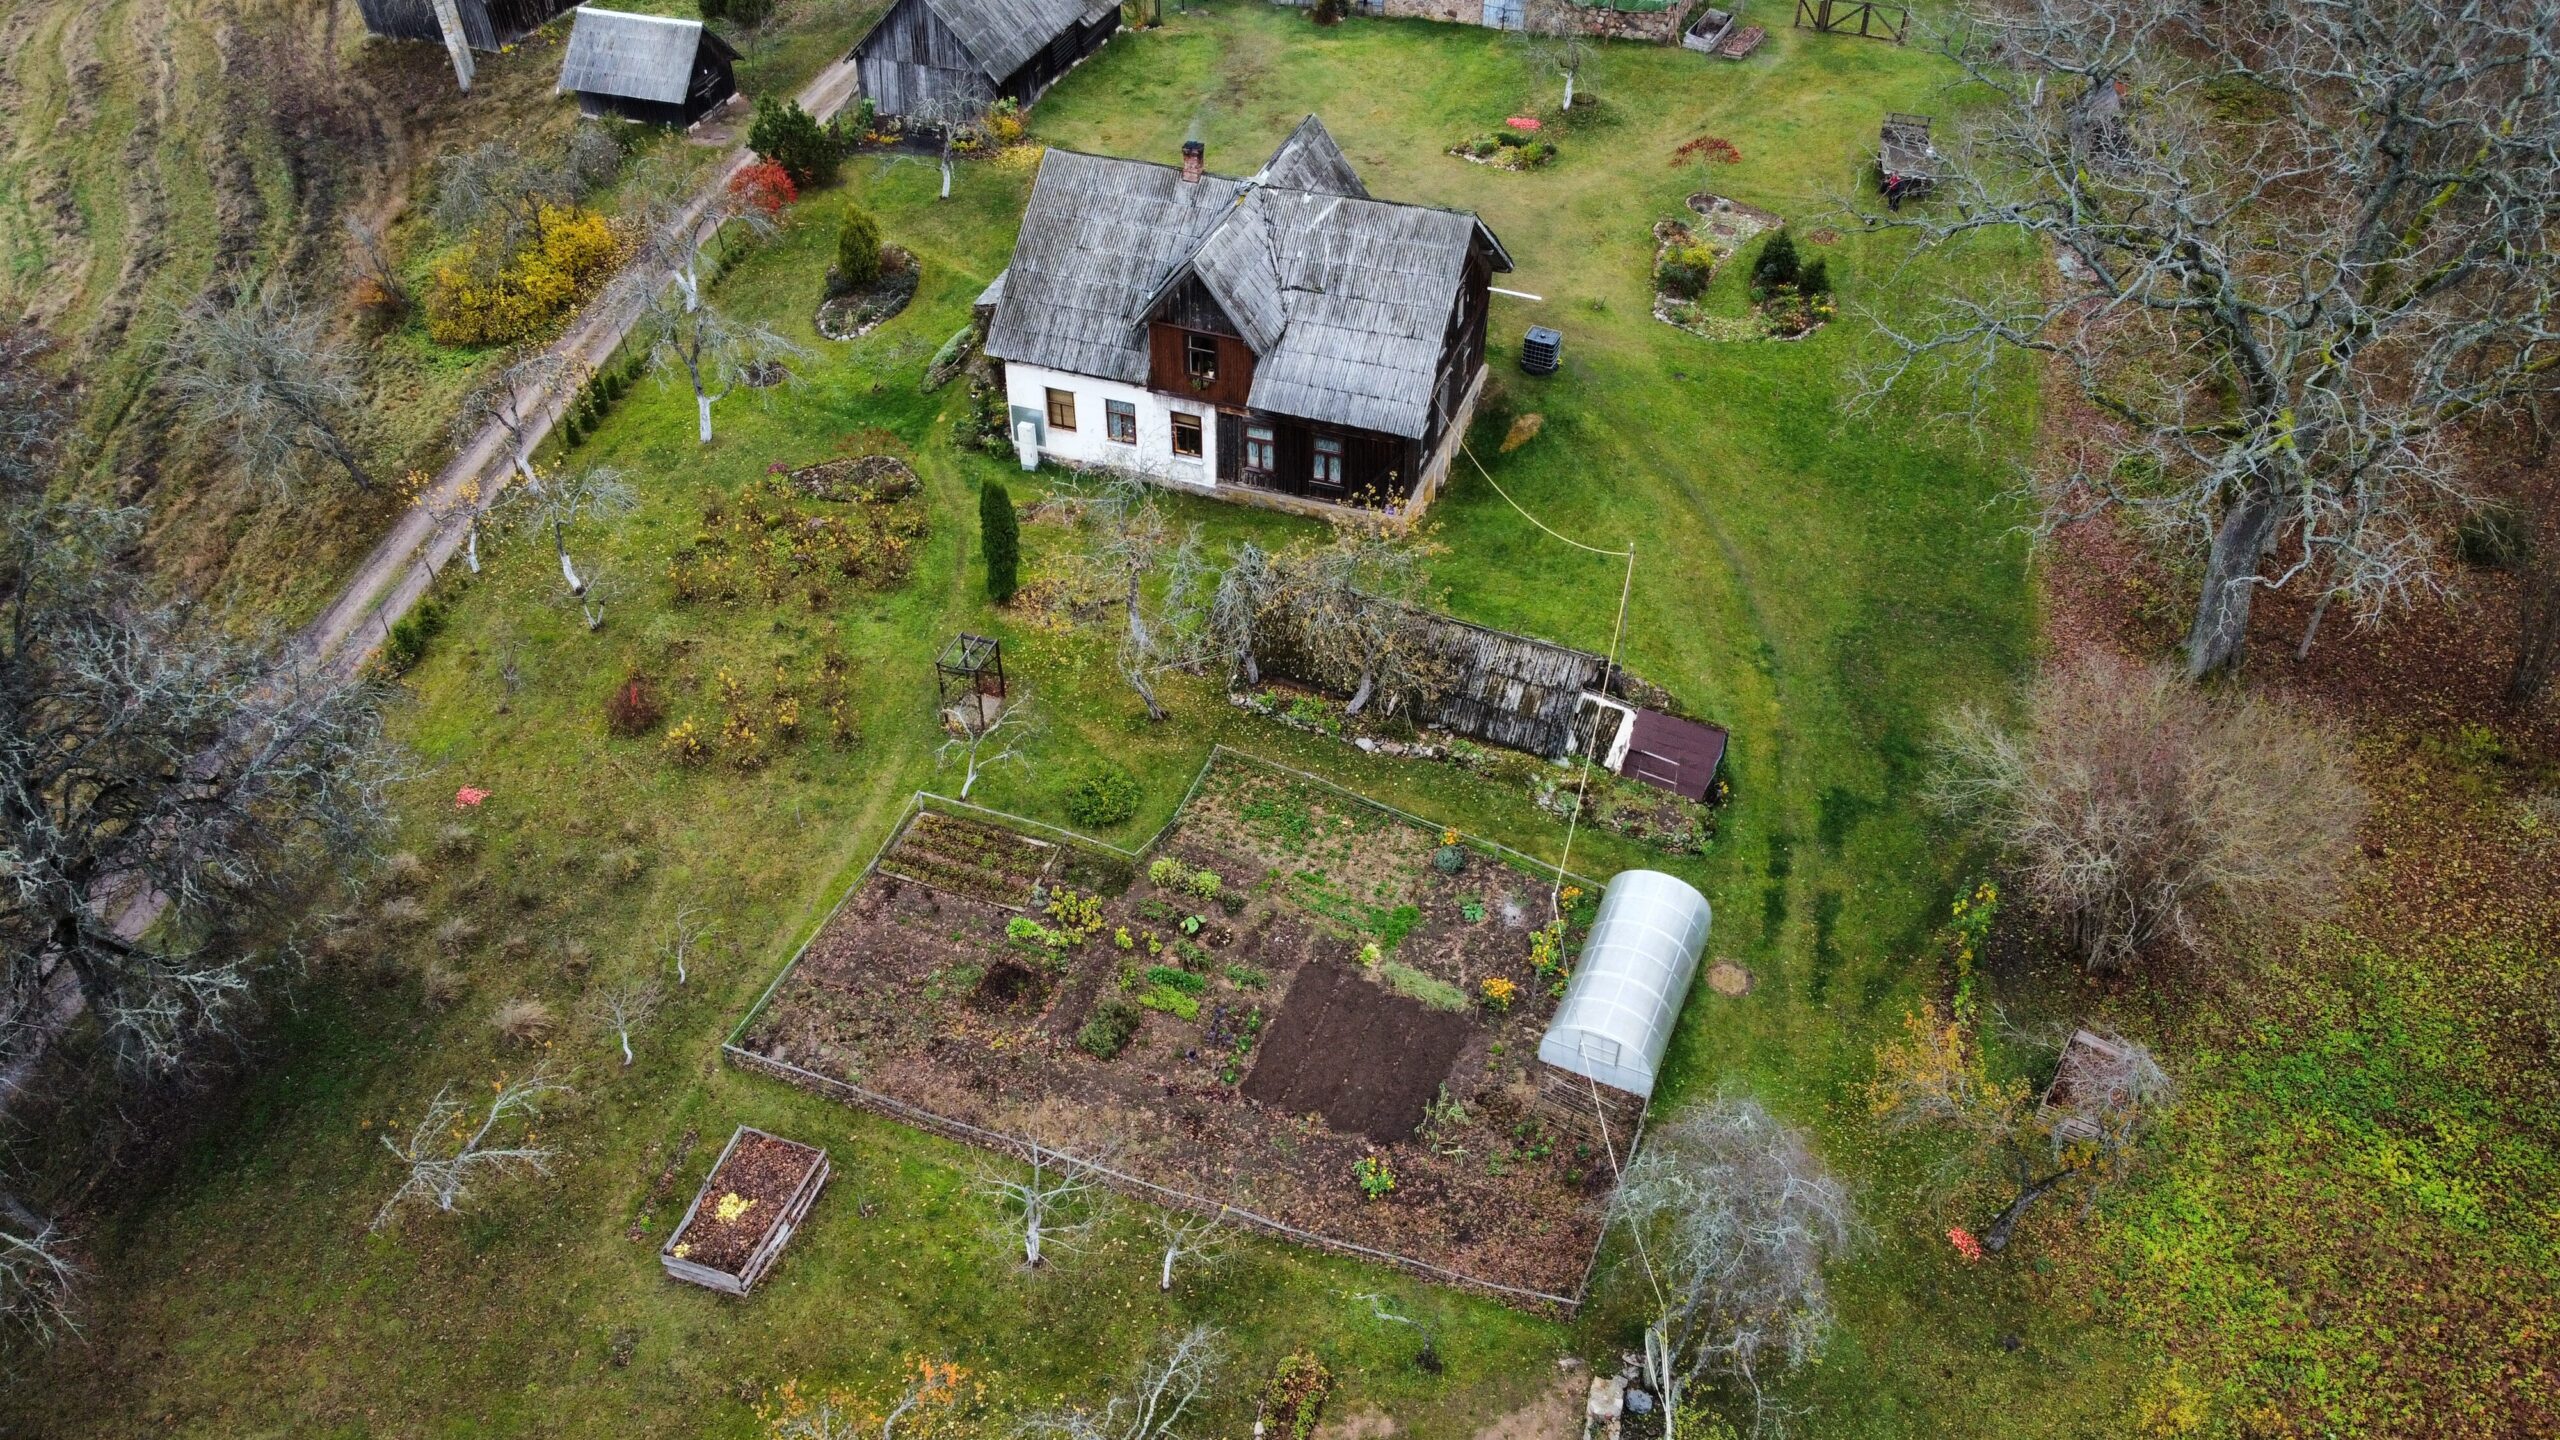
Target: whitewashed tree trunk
1568 90
704 403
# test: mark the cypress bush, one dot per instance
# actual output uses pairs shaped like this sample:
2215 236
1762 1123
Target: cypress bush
857 249
1000 540
1777 264
792 138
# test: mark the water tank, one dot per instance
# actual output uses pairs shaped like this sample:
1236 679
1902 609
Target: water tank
1541 351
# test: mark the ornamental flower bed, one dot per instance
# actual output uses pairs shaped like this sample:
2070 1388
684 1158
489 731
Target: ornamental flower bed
748 1206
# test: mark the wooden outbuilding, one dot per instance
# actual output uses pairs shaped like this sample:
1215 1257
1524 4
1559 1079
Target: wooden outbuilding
649 68
486 24
924 51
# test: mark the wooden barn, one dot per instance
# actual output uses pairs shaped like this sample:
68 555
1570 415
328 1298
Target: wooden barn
926 50
486 24
649 68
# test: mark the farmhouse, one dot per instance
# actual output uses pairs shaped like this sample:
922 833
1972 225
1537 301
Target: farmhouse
486 24
923 51
646 67
1280 333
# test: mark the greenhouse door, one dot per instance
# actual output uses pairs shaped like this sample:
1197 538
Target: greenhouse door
1504 14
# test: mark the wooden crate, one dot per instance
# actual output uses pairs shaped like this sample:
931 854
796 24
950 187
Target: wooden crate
769 1249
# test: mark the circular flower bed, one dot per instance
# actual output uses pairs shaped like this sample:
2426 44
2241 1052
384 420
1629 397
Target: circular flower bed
859 311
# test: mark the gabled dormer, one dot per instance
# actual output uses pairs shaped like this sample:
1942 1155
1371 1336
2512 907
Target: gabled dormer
1194 347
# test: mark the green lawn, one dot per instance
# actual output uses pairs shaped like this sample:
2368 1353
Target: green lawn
1822 584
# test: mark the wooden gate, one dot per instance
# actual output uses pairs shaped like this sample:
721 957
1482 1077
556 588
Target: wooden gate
1854 17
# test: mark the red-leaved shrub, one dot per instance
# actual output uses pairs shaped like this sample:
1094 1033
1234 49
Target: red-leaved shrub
632 708
764 186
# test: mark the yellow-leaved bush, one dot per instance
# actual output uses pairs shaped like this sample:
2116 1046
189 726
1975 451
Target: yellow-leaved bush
474 303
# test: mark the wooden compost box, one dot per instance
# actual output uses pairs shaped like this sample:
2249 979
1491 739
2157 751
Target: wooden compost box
745 1211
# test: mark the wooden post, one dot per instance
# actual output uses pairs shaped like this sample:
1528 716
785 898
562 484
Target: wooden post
456 44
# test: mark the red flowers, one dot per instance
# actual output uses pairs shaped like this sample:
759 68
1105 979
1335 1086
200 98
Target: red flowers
1966 1245
469 797
1525 122
764 186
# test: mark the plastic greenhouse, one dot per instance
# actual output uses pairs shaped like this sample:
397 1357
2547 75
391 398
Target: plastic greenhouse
1628 987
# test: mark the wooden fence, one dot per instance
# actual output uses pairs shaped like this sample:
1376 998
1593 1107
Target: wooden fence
1854 17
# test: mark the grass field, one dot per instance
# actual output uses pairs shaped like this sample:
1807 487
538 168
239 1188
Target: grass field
155 152
1822 584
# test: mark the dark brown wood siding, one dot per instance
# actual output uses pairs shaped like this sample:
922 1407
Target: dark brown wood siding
1165 370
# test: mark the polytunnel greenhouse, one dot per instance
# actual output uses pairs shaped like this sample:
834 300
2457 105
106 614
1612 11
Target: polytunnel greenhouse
1628 986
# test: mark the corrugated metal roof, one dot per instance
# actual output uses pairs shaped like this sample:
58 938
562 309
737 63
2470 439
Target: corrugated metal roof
1344 300
638 57
1004 34
1673 754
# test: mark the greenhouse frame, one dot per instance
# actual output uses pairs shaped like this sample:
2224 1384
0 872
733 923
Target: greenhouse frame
1632 978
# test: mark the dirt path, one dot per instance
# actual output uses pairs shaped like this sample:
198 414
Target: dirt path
400 568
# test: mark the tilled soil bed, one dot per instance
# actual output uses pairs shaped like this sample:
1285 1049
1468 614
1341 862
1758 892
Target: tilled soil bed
1320 997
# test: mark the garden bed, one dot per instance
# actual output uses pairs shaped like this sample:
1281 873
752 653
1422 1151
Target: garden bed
858 312
1298 983
755 1196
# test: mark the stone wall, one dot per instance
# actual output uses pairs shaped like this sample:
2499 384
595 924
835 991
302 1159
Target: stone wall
1462 12
1648 27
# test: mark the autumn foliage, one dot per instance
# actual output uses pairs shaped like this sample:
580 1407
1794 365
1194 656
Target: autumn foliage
476 298
765 187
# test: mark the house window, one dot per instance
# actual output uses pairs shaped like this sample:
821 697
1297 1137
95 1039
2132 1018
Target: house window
1259 450
1120 421
1062 409
1200 356
1328 462
1186 434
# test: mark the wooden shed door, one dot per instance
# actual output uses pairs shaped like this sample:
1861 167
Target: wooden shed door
1230 447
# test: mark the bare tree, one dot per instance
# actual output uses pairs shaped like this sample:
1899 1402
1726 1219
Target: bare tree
2315 236
503 192
2534 560
442 1164
1357 609
36 1276
2107 1091
1735 1217
1057 1203
676 221
262 371
687 935
511 401
1188 1237
1554 41
984 731
154 760
1238 609
1166 1390
716 353
556 501
624 1009
371 259
2138 808
1156 571
950 114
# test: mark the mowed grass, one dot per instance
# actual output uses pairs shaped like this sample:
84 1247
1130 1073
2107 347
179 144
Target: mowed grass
1823 584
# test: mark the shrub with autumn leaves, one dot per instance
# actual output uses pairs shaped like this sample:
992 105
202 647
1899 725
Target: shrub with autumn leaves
764 187
477 298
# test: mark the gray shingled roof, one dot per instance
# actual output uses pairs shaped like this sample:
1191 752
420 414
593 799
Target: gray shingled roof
638 57
1343 299
1003 34
1309 160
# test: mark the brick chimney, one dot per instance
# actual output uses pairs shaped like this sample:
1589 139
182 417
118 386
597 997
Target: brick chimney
1193 155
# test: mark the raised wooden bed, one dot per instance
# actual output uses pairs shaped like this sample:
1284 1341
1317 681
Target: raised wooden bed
777 1179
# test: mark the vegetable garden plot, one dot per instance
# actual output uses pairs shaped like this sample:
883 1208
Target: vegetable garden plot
1300 1006
970 858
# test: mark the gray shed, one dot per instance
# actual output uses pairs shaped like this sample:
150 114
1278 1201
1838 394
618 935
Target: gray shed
652 68
922 51
1628 987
